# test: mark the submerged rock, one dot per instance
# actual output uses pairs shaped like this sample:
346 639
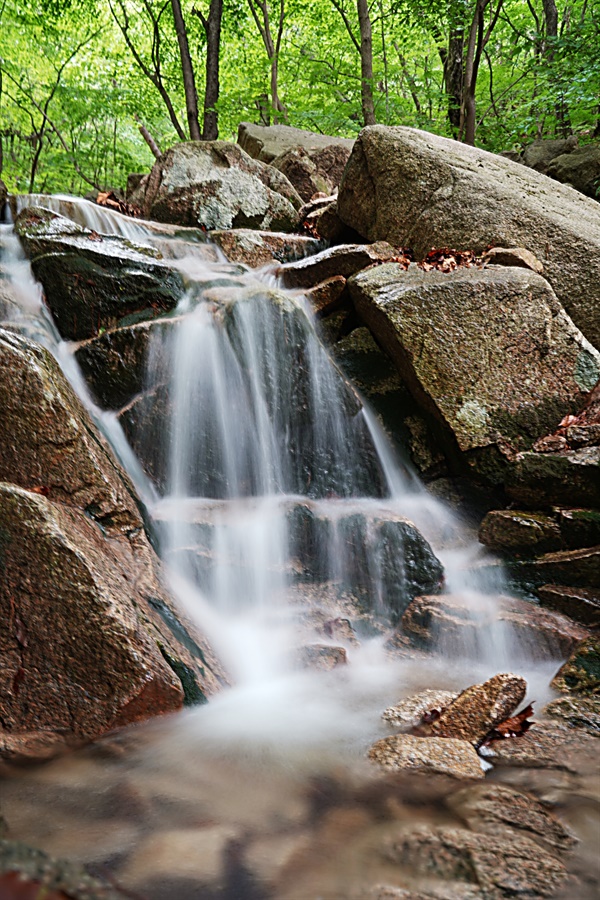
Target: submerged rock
431 755
93 282
322 657
501 811
416 189
26 872
501 867
490 402
216 185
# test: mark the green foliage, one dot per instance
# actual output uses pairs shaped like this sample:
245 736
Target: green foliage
72 94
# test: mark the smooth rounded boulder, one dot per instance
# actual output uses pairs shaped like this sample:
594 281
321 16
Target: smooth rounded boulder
419 190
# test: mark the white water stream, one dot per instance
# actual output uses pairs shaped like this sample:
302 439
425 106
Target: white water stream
262 426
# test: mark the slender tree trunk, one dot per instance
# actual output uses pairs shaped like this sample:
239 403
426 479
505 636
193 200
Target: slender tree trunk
453 75
366 62
563 122
189 81
210 131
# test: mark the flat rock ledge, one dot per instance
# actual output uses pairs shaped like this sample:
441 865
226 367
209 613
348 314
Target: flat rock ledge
433 755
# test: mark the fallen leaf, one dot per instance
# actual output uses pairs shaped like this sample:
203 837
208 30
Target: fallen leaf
512 727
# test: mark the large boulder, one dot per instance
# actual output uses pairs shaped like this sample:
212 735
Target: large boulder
89 637
580 169
215 185
93 282
542 152
416 189
489 354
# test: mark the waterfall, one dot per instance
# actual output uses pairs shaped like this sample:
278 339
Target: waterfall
281 502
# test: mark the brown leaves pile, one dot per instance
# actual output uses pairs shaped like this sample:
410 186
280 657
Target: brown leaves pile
111 201
447 260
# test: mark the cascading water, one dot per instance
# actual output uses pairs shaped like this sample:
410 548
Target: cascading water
281 512
278 483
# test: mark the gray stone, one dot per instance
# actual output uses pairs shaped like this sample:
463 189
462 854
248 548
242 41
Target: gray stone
408 713
94 282
262 248
440 756
215 185
345 259
513 256
541 153
321 657
578 603
580 169
510 530
567 478
266 142
581 672
491 401
416 189
448 622
498 810
479 708
576 712
546 746
501 867
313 171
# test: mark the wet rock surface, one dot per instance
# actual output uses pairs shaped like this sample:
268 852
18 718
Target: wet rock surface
216 185
442 756
408 713
478 709
76 555
581 672
27 873
446 622
499 867
416 189
345 259
490 403
261 248
580 604
322 657
576 711
546 746
93 282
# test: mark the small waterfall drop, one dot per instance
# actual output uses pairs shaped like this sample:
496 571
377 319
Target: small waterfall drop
281 506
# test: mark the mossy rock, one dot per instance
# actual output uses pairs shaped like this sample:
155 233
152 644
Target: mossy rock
581 672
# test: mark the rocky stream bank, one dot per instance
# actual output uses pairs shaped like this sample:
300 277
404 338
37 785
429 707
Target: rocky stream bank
480 360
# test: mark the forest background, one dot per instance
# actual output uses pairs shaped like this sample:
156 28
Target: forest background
91 91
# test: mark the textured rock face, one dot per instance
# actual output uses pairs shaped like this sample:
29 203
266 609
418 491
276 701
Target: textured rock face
581 672
525 364
580 604
216 185
420 190
479 708
313 171
576 711
94 282
446 621
520 531
580 169
261 248
409 712
442 756
500 866
89 638
266 142
346 260
568 478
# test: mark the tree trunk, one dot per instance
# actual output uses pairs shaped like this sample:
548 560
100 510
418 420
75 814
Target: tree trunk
561 111
210 131
453 75
189 81
366 62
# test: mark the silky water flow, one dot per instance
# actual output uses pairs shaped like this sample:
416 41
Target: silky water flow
279 506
